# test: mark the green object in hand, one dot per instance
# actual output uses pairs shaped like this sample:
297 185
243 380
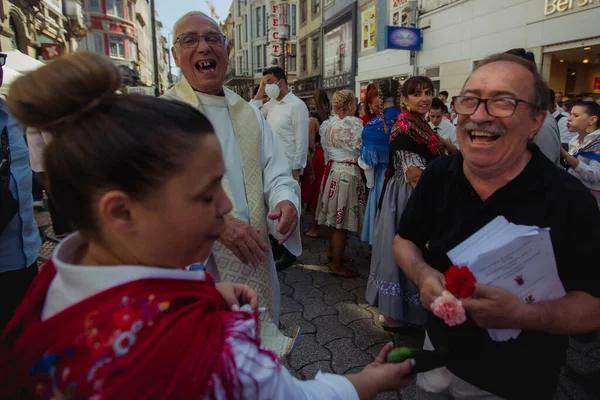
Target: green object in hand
425 360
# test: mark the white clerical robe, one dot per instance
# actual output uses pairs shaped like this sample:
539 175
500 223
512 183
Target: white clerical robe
278 184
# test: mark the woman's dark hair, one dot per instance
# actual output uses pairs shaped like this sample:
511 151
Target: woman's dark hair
322 104
415 84
388 88
102 140
591 108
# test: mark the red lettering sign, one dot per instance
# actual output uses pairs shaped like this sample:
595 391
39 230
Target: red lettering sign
275 21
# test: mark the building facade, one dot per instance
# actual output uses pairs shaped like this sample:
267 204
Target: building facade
42 29
309 48
143 29
112 33
563 35
260 38
375 61
339 61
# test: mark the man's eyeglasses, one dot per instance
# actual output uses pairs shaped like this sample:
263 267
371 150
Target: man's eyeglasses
192 39
500 107
3 59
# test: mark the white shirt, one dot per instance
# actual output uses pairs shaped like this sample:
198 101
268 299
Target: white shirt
565 135
446 130
289 119
261 376
588 170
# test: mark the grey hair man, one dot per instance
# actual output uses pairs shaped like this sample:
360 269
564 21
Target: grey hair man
258 180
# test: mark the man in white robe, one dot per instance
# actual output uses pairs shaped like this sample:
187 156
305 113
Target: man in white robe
258 179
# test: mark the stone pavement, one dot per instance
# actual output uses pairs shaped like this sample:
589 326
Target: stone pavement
341 332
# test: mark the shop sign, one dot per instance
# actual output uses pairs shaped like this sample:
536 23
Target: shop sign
51 51
337 81
597 83
559 6
273 29
402 38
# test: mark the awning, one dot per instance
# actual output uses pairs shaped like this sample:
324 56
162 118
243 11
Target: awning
9 76
20 62
238 80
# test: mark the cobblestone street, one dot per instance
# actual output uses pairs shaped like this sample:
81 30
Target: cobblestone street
341 332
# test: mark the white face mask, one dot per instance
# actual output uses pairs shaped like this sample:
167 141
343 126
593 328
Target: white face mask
272 90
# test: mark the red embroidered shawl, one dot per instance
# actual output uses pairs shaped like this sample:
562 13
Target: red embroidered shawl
150 338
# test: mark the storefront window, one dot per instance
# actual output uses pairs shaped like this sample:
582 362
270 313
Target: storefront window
368 29
338 50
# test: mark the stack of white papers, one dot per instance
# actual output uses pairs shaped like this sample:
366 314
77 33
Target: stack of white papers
514 257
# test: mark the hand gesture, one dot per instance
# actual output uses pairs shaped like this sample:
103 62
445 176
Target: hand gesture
431 286
494 308
390 376
237 294
287 215
244 241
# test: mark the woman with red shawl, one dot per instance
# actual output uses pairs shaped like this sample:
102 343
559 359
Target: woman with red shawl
113 315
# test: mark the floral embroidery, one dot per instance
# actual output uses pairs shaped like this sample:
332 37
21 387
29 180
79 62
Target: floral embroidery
123 318
362 195
403 125
340 215
128 321
332 188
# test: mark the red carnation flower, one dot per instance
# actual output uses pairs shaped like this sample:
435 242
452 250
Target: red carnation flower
460 281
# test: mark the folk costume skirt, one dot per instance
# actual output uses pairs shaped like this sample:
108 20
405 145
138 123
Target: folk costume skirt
343 197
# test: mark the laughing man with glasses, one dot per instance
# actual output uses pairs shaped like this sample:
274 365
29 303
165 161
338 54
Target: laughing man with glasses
500 172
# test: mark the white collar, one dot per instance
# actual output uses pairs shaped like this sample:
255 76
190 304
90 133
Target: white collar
590 137
79 282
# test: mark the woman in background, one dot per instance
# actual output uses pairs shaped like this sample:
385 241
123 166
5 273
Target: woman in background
374 153
413 144
371 103
311 187
343 198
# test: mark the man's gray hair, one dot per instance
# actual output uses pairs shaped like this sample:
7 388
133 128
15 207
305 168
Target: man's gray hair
191 14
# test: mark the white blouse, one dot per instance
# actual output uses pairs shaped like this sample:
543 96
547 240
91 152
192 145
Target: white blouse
270 380
343 139
588 170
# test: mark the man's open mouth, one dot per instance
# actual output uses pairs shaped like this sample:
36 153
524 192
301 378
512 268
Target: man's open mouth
206 66
481 137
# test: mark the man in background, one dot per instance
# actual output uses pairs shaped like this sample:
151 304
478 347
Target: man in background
19 236
442 126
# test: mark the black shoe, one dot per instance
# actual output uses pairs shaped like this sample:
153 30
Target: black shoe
286 261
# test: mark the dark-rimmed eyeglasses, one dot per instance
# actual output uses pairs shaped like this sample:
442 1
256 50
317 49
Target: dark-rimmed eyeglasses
500 107
3 59
192 39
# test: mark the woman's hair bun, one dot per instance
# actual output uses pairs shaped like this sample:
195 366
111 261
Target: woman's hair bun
62 91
